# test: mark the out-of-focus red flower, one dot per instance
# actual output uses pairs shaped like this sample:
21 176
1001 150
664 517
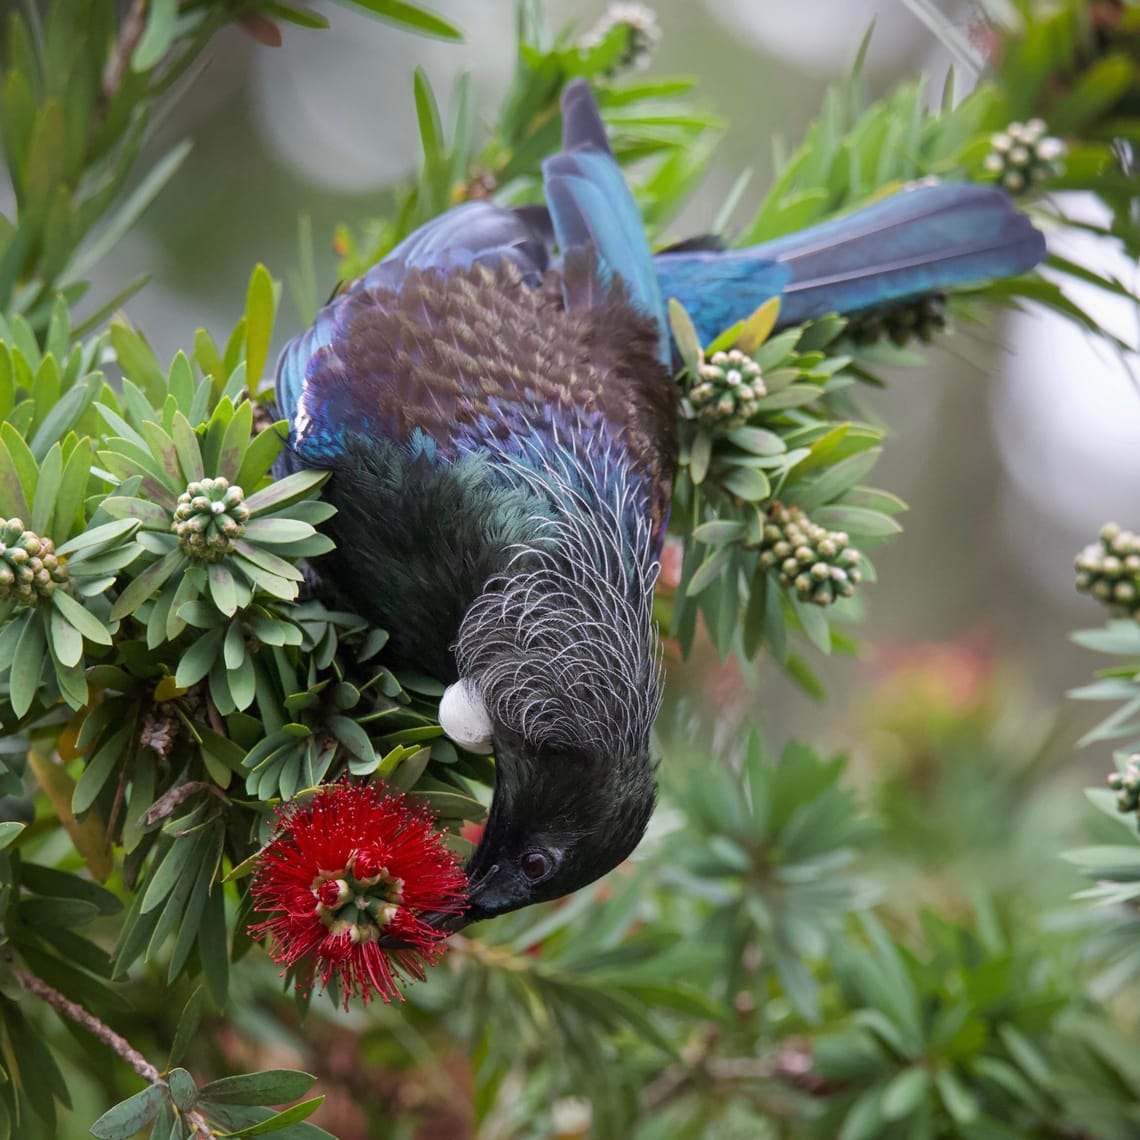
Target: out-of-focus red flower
472 831
346 867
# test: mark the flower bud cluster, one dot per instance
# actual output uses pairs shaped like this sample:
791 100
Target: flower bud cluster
1109 570
1023 155
727 391
29 568
1126 785
901 324
642 32
209 517
819 564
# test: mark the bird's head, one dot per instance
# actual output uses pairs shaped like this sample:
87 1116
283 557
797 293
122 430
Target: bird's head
561 817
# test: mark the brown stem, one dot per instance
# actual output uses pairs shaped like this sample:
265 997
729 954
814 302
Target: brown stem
790 1064
100 1029
131 31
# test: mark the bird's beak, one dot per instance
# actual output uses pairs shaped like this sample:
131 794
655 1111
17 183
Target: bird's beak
487 885
449 922
478 880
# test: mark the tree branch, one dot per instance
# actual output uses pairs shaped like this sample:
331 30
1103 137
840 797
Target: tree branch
65 1007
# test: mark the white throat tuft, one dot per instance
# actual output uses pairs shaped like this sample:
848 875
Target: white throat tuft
463 717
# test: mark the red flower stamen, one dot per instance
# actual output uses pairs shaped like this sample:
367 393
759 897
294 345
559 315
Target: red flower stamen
369 864
344 867
332 892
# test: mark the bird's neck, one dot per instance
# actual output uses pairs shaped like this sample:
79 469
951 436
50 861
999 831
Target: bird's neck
561 644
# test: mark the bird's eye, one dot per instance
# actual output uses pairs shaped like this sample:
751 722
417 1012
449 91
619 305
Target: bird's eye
536 865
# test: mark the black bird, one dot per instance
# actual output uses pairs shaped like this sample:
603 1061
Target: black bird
501 424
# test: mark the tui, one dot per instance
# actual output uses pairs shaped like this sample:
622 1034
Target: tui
501 423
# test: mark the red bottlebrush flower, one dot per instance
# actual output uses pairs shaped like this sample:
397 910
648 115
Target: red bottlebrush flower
347 868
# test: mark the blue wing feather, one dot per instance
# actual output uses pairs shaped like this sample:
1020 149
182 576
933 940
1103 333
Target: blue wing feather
919 241
717 289
591 207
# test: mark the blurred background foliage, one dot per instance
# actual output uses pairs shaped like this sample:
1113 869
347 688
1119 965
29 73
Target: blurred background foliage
870 937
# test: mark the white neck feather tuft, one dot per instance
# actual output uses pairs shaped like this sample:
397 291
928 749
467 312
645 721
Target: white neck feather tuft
463 717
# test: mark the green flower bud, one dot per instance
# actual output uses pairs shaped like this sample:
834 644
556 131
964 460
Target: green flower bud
726 391
1022 156
30 570
1109 570
816 563
900 323
209 517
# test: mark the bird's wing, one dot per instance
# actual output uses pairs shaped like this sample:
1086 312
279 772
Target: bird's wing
343 373
595 219
719 288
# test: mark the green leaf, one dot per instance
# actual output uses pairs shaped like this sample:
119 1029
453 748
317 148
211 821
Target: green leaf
1107 860
260 303
66 640
183 1090
280 1120
187 447
960 1102
865 1120
684 335
285 491
857 521
1120 638
81 618
1097 91
409 16
708 572
222 588
276 531
905 1094
353 737
757 440
130 1116
260 454
273 1086
98 770
158 36
747 483
758 327
52 883
24 676
92 542
187 1027
147 583
23 461
132 208
9 830
718 531
833 482
149 514
199 659
13 501
700 456
72 489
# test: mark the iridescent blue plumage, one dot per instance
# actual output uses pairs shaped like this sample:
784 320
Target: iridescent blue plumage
494 401
919 241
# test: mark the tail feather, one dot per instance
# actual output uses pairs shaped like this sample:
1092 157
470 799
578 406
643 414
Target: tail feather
917 242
